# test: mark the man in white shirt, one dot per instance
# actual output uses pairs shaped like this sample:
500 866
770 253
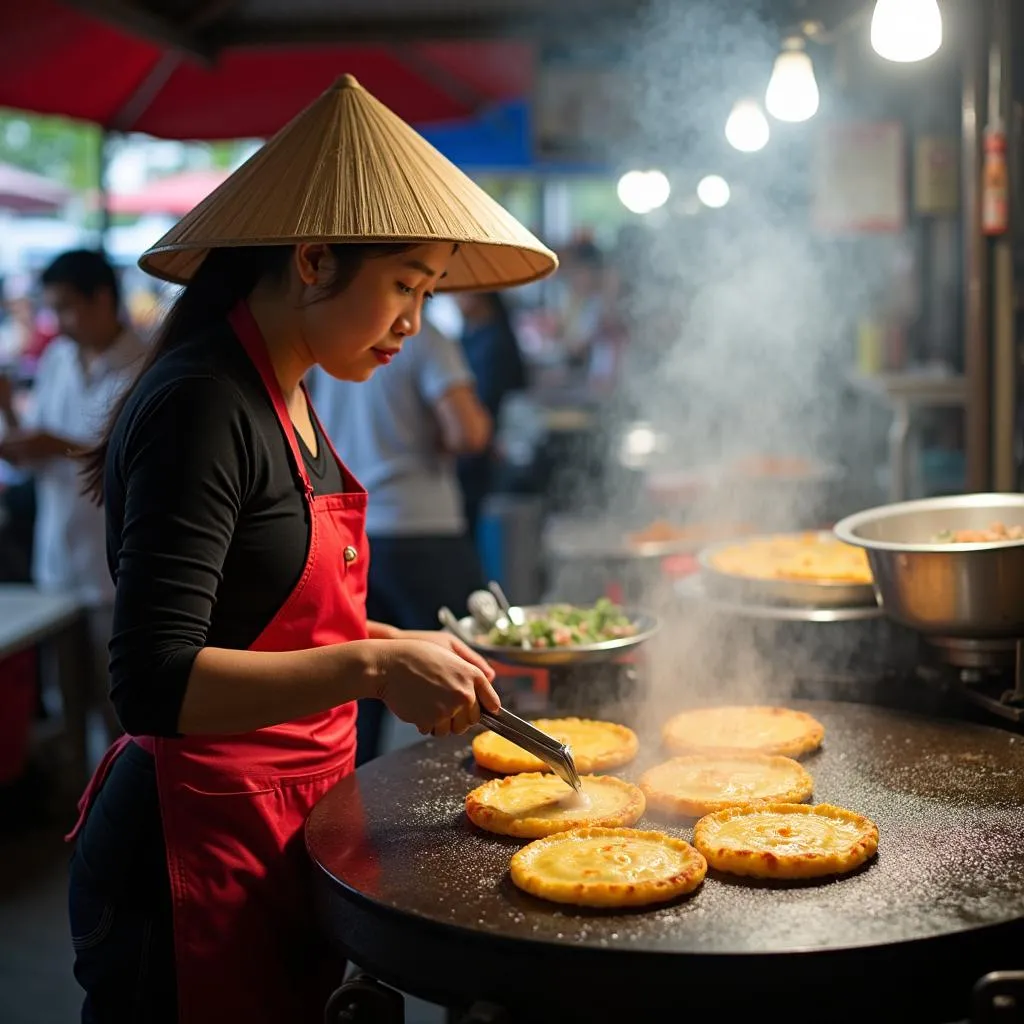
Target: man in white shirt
79 377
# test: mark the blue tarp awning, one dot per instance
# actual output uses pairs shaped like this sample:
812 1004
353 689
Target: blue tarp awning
499 139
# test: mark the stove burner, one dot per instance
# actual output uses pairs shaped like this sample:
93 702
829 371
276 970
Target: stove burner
990 672
981 654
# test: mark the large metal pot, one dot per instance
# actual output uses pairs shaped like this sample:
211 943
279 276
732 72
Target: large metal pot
971 591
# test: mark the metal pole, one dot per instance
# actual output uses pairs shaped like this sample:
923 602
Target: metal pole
104 197
977 356
1004 354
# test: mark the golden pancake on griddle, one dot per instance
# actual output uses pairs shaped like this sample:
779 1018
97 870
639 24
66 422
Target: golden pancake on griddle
743 730
608 867
699 784
596 746
786 840
536 804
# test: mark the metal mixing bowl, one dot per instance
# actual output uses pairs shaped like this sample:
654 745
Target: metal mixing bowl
970 591
647 625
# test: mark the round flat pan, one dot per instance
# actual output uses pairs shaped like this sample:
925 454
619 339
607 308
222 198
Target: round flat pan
694 588
801 593
415 894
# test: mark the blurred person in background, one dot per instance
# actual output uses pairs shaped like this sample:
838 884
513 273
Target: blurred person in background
400 434
25 331
79 377
492 352
592 327
43 328
583 302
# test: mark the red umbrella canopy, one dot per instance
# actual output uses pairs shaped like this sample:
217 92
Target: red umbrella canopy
25 192
57 59
175 194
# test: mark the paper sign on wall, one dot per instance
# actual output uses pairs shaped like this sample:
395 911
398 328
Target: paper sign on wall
860 174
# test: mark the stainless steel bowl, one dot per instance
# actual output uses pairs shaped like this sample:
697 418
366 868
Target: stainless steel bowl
954 590
800 593
546 657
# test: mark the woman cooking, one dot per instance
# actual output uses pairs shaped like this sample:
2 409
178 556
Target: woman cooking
236 540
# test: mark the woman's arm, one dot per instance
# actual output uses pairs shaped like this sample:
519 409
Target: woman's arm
237 691
188 465
446 385
382 631
188 462
419 675
466 425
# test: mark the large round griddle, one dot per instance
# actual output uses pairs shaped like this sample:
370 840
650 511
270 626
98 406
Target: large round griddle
419 897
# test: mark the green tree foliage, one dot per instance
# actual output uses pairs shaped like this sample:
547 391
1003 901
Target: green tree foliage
56 147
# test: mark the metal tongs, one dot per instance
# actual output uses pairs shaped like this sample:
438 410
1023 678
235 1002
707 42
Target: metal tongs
557 756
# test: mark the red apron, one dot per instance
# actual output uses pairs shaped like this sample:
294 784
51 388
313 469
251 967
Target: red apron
233 807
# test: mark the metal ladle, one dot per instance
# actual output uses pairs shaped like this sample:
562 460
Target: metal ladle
485 609
514 615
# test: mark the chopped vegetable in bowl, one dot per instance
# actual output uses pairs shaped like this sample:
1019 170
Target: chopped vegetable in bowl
994 534
565 625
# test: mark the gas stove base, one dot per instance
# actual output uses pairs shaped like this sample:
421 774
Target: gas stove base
995 998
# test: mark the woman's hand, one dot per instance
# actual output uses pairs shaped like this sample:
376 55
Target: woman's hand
449 643
429 682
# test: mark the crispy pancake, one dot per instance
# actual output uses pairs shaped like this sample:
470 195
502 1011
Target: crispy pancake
595 746
534 804
698 784
810 557
743 730
608 867
786 840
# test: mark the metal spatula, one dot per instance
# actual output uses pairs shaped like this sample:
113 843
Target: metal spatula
557 756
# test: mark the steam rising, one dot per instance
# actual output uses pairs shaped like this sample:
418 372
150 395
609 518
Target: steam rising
742 322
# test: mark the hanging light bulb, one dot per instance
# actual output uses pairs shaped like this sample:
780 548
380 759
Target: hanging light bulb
713 191
792 92
643 191
906 31
747 127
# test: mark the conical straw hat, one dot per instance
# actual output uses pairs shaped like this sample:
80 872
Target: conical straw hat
349 170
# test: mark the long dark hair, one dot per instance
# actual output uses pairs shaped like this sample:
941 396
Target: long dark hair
223 278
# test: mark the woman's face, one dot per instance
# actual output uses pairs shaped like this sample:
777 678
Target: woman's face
363 328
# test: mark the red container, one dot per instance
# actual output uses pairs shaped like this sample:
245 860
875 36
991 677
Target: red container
17 709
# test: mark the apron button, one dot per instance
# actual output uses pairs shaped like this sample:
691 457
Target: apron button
350 554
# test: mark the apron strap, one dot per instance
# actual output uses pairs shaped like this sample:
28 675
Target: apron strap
243 323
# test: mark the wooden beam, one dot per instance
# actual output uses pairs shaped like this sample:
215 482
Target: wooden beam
210 12
282 31
438 77
143 23
145 92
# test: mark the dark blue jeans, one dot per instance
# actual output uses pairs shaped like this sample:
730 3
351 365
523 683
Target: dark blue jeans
410 579
120 902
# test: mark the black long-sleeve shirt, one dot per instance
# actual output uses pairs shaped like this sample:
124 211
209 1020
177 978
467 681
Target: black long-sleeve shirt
207 529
